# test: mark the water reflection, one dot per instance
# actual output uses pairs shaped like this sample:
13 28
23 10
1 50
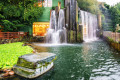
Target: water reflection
87 61
39 48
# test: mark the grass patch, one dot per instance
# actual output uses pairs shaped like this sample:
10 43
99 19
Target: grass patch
9 54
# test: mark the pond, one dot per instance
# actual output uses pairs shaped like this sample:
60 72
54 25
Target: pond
86 61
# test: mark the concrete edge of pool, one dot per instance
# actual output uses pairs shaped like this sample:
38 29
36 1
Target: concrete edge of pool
34 65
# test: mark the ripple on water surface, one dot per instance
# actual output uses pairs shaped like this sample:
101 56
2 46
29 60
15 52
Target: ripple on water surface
86 61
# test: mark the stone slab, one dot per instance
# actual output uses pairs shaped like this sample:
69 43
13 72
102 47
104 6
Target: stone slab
34 65
38 57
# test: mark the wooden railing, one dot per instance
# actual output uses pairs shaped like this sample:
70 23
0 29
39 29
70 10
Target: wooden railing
11 35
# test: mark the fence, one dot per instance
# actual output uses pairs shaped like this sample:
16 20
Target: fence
12 35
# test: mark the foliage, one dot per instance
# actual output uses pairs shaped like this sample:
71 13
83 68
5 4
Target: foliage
7 25
106 17
110 39
9 53
112 13
103 21
16 14
89 5
53 8
115 12
107 6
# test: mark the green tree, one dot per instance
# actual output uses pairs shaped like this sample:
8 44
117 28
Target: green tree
115 15
89 5
15 14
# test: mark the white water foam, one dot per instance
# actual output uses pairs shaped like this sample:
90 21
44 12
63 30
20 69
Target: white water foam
56 34
90 26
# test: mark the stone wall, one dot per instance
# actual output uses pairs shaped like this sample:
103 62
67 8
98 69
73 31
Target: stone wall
74 30
114 36
113 39
99 26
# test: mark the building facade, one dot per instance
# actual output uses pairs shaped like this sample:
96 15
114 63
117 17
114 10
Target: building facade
42 23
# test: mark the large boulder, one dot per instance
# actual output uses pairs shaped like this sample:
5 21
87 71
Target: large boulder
34 65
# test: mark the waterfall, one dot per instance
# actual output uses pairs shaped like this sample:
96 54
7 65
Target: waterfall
90 26
57 32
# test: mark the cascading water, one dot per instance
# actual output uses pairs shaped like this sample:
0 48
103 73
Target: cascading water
57 32
90 26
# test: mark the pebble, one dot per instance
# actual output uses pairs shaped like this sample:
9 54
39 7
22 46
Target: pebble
34 51
11 73
6 74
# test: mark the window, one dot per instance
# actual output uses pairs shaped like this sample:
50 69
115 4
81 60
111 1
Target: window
45 3
49 3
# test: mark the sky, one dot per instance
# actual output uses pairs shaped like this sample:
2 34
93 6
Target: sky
110 2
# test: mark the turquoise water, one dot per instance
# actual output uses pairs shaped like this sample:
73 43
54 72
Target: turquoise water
86 61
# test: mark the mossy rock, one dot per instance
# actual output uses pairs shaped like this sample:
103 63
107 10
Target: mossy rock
33 65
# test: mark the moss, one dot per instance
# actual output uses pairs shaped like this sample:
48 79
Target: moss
79 37
71 35
110 39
